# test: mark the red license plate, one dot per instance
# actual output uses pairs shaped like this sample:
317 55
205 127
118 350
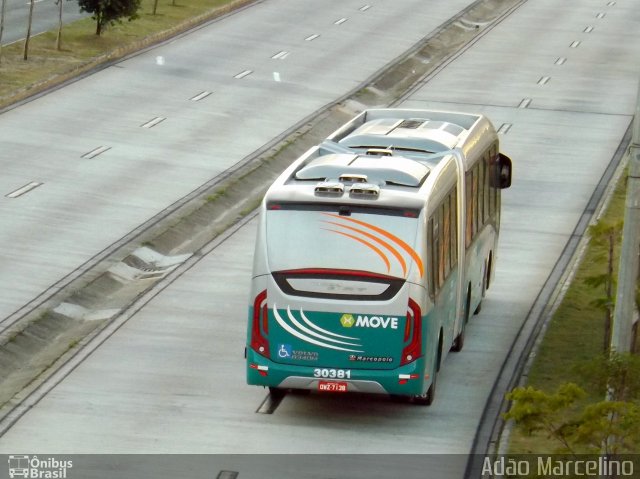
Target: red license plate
332 387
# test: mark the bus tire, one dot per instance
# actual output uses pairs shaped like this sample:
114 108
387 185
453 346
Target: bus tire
478 308
458 343
485 282
427 398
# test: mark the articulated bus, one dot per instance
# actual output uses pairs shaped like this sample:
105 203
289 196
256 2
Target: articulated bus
372 250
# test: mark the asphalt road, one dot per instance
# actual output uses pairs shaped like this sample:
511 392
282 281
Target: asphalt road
171 379
45 18
100 166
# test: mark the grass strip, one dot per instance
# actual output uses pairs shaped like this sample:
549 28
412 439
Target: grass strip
575 333
82 50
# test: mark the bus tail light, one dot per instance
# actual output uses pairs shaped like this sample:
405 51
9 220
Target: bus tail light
404 378
413 350
259 341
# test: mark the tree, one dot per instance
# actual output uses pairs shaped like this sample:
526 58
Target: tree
609 426
605 235
59 35
617 375
109 12
2 8
28 37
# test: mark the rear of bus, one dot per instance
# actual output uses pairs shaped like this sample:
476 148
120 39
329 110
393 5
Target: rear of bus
338 299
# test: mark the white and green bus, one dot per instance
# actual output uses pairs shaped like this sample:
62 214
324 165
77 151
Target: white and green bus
372 250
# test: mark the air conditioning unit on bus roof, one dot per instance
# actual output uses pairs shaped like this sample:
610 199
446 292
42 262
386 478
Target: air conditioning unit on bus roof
363 168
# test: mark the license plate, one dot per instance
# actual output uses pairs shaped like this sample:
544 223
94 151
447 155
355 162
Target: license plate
332 387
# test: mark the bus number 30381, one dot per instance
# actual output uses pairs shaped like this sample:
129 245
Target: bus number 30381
332 373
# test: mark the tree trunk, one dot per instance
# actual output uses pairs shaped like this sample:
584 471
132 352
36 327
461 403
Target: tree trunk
98 23
155 6
609 293
26 41
1 26
59 37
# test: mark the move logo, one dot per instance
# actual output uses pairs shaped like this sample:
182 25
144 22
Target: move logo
363 321
347 320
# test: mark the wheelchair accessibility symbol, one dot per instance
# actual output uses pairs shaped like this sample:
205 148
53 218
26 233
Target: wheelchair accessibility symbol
284 351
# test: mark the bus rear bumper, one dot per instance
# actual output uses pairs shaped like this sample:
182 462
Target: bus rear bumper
407 380
313 384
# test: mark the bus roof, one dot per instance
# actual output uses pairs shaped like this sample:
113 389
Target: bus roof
386 155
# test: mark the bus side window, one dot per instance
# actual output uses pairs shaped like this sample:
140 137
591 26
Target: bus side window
494 191
446 240
441 247
474 200
453 211
481 195
487 189
469 208
433 244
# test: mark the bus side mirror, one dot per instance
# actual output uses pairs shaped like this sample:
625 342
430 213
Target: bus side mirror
501 177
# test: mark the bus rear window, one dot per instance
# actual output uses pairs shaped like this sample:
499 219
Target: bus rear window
337 284
323 239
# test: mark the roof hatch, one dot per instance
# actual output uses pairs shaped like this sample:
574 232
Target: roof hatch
372 169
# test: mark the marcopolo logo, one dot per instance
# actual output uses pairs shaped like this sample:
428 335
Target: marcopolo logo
37 468
363 321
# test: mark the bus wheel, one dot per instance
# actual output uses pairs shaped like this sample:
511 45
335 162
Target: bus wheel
485 282
427 398
458 343
478 308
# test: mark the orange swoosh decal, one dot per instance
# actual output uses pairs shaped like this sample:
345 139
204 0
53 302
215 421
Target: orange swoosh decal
366 243
393 251
393 238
